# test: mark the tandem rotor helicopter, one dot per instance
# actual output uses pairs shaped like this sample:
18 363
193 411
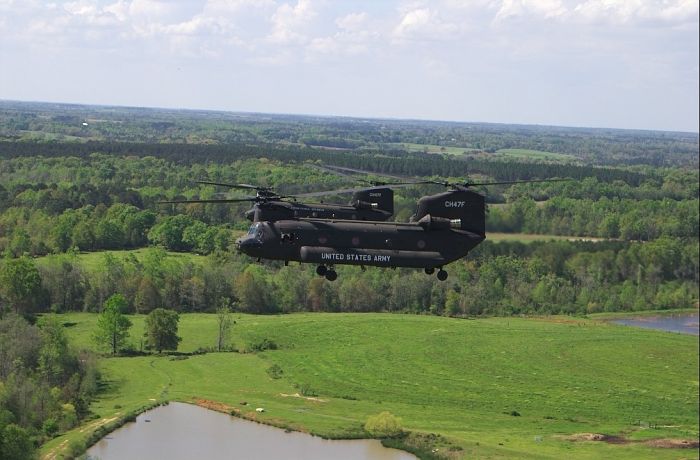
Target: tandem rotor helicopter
445 227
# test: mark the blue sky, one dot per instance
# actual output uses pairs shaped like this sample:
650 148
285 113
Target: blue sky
602 63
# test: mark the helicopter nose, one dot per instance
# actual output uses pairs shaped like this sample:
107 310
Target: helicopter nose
246 245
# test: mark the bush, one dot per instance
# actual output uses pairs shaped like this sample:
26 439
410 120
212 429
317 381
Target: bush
261 345
306 390
75 447
50 427
384 425
275 371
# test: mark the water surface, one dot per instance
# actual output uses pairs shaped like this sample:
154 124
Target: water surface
181 431
685 323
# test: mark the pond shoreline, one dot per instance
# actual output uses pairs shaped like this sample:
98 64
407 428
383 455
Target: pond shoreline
685 322
186 416
630 314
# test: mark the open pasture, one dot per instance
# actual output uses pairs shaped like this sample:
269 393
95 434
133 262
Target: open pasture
495 387
535 155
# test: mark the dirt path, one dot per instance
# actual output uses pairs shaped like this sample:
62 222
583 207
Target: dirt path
663 443
308 398
56 451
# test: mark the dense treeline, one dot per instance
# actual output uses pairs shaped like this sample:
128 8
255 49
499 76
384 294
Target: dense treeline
617 218
45 386
92 228
497 278
67 122
51 205
398 162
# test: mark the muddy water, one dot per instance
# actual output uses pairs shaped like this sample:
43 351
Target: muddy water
686 323
184 431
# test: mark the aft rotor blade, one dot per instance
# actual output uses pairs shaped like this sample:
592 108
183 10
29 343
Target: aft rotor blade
345 190
242 186
228 200
470 184
360 171
343 171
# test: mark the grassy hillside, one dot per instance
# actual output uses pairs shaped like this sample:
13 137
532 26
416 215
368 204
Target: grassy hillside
463 379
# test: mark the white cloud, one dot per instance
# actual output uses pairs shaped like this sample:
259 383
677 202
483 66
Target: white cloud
493 47
546 9
423 23
354 36
638 11
289 22
352 21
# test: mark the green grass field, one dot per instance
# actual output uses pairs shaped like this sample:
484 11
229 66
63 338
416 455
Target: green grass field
429 148
535 154
463 379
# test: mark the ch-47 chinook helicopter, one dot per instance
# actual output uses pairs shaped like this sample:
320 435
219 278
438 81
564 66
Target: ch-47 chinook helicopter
375 203
445 227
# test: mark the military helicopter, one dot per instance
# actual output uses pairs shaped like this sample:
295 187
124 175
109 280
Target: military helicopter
374 203
445 227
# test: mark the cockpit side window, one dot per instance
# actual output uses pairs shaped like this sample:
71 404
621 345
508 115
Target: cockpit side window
256 230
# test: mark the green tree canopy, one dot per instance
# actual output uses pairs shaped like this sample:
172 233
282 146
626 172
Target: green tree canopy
112 326
19 282
161 330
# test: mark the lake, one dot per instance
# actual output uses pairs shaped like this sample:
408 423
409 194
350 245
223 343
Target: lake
185 431
684 323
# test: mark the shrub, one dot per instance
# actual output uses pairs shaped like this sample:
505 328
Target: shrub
75 447
275 371
384 425
306 390
50 427
261 345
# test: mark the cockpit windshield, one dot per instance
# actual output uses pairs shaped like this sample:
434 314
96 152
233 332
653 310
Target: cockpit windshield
256 230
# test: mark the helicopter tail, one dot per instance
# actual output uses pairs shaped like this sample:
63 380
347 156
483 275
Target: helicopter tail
457 209
379 198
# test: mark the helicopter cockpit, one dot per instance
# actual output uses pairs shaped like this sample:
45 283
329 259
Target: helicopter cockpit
256 231
253 240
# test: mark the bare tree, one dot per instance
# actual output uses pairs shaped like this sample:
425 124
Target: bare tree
223 314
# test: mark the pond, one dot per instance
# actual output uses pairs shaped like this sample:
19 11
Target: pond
185 431
684 323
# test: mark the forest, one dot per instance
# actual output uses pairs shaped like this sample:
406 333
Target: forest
81 222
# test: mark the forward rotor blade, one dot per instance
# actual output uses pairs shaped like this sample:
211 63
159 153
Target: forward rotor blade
228 200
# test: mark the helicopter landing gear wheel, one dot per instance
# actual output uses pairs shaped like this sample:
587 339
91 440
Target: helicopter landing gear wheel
321 270
331 275
442 275
429 270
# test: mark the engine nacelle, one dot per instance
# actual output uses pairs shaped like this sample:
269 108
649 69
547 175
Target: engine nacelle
429 222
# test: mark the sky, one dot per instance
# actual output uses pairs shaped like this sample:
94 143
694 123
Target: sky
590 63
